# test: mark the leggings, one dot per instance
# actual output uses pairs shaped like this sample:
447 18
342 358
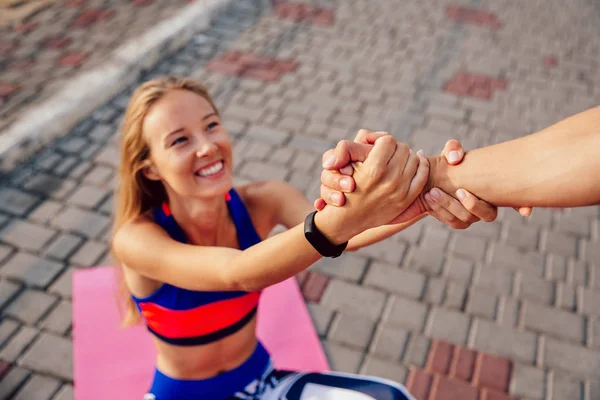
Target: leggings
256 379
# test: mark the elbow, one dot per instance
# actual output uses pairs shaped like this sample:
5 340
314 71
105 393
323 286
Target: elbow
235 282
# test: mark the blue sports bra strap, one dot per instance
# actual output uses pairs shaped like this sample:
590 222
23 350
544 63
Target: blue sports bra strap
246 233
162 216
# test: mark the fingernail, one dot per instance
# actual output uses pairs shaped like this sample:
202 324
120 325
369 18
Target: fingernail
429 198
345 183
453 156
336 198
436 194
420 152
329 162
461 194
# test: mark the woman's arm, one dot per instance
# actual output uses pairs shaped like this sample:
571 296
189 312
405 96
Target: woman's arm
556 167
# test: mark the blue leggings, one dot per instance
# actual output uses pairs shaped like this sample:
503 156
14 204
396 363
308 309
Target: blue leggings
256 379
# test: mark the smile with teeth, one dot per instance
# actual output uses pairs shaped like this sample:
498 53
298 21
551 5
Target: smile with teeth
213 169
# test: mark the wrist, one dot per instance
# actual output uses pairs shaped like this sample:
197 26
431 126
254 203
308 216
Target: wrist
330 223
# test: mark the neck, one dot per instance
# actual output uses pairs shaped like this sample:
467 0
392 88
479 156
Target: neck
202 220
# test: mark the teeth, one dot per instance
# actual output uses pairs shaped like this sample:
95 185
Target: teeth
211 170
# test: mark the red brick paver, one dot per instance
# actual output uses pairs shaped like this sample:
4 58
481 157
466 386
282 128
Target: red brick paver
299 12
467 84
465 15
250 65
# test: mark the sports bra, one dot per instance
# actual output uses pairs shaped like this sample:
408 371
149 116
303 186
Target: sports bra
188 317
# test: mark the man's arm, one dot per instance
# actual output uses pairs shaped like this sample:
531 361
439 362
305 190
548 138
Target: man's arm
556 167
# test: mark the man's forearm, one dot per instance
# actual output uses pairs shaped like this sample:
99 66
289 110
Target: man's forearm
556 167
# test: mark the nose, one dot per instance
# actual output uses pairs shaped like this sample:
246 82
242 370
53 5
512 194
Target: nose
206 147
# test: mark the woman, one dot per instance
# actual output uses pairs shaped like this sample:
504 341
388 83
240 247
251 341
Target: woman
193 251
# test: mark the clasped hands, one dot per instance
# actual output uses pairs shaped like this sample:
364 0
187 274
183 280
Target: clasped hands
458 211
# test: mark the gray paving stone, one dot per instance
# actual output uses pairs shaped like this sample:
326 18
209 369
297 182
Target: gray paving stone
259 171
395 280
8 327
58 319
73 145
63 246
5 251
348 266
537 289
496 280
65 393
101 132
38 388
468 246
416 351
30 306
508 311
46 211
435 238
99 175
481 303
541 217
389 342
385 369
49 185
589 301
513 258
456 296
405 313
87 196
12 381
89 254
559 243
435 291
8 291
51 355
306 143
566 387
32 270
26 235
426 261
62 285
389 250
459 270
448 325
17 343
86 223
520 235
108 156
554 322
579 272
270 135
66 165
16 202
494 338
351 331
529 382
342 358
107 206
353 299
321 316
577 360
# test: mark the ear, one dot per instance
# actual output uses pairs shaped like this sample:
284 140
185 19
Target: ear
150 172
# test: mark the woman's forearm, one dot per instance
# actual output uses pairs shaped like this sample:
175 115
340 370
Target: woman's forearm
374 235
556 167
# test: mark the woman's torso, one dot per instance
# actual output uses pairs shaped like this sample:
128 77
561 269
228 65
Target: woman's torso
207 360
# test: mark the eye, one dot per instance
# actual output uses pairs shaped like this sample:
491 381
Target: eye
212 125
181 139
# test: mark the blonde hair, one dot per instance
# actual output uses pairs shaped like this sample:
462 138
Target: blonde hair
136 194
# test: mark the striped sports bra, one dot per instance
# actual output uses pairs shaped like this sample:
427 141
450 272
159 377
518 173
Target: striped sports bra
187 317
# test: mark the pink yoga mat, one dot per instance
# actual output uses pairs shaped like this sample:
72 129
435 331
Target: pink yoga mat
114 363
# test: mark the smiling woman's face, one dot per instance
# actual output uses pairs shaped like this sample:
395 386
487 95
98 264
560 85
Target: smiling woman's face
190 150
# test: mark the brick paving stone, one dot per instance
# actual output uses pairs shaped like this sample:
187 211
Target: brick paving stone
443 388
492 372
87 196
494 338
459 270
435 291
88 254
7 328
343 358
314 286
455 296
513 258
260 171
58 319
589 300
65 393
537 289
12 381
26 235
416 351
463 363
49 185
569 357
16 202
529 382
17 343
8 291
426 261
51 355
32 270
419 383
440 356
519 235
30 306
388 250
395 280
352 331
449 325
63 246
405 313
559 243
384 369
83 222
38 388
353 300
566 387
5 251
495 280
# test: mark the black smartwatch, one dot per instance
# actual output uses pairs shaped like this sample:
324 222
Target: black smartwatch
319 241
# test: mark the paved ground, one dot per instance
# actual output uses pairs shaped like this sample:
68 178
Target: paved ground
508 309
63 38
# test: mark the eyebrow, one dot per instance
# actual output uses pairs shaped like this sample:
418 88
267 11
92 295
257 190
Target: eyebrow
178 130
